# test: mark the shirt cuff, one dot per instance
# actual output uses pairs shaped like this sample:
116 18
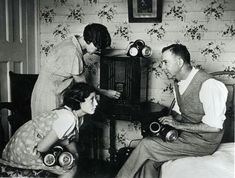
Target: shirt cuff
213 123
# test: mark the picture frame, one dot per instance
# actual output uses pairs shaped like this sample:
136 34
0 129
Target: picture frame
144 11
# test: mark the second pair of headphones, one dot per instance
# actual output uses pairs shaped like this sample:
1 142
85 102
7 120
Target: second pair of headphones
138 48
58 156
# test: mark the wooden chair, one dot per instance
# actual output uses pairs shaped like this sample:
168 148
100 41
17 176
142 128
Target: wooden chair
2 139
228 78
21 86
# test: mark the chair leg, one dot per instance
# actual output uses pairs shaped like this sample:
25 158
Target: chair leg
2 138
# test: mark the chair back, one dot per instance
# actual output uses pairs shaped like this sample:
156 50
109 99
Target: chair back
21 86
228 78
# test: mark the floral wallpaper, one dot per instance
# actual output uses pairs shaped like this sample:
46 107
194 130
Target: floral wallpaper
206 27
215 9
177 10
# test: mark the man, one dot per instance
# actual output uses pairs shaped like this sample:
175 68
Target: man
200 107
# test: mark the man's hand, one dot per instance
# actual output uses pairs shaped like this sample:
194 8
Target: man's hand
168 120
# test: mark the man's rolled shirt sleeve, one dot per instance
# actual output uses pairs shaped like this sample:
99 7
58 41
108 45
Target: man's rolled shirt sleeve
213 95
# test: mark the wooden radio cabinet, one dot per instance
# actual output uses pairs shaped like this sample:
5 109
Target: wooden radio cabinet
129 76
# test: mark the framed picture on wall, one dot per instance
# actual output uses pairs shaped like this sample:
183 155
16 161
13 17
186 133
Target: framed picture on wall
144 11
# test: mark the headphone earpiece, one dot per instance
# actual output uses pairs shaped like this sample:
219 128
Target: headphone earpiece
138 48
139 43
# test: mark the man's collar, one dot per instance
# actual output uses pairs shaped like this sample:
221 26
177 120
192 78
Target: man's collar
190 75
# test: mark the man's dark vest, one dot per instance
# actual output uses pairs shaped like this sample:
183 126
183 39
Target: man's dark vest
191 107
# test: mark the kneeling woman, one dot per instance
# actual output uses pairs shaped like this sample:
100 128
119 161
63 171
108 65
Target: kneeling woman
60 126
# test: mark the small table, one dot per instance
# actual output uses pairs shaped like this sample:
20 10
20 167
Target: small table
142 112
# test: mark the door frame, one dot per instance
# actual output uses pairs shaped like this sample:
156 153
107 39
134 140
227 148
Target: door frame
34 53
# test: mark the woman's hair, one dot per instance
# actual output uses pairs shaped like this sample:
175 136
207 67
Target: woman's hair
179 50
98 34
76 93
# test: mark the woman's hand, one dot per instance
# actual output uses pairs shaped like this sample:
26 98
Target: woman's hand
45 144
79 78
168 120
112 94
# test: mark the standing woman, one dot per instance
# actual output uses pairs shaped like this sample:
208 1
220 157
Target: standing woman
65 63
57 127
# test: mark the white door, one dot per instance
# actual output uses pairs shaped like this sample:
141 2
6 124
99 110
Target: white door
18 43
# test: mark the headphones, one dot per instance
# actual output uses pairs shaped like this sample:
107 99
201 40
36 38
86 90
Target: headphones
58 156
138 48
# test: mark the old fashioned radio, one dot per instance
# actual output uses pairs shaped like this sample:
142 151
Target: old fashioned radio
129 76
